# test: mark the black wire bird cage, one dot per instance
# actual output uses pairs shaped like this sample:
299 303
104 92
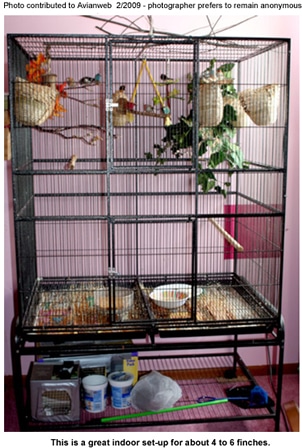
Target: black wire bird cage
149 183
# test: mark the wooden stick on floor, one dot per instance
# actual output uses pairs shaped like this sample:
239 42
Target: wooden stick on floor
292 414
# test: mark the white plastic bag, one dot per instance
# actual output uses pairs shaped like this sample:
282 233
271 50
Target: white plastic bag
155 391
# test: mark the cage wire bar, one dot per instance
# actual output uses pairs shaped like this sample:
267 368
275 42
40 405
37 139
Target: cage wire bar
102 205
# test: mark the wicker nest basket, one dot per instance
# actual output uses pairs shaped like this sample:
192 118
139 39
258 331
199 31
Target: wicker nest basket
34 103
261 104
210 105
119 114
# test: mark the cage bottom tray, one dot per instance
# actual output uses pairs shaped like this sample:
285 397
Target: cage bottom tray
60 306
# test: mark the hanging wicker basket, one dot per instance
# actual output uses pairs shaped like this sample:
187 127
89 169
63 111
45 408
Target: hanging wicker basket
34 103
261 104
242 119
119 113
210 105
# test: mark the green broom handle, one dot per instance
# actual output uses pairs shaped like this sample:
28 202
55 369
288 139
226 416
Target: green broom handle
163 411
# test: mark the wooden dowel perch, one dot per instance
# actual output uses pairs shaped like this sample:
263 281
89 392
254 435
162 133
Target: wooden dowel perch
148 114
226 235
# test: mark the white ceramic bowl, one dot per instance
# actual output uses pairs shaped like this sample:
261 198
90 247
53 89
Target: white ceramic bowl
171 296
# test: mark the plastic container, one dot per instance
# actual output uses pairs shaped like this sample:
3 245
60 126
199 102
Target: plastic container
121 386
121 301
95 392
122 298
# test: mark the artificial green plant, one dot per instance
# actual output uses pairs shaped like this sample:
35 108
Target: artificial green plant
217 141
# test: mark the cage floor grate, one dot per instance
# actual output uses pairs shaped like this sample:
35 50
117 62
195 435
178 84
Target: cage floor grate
75 305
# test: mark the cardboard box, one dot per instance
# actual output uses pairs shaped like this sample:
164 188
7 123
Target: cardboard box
103 364
126 362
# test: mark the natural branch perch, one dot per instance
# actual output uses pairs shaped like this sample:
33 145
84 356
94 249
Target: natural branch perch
88 138
85 102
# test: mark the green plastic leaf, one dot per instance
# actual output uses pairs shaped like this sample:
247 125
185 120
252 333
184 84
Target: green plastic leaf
206 180
226 67
229 113
216 158
235 157
220 190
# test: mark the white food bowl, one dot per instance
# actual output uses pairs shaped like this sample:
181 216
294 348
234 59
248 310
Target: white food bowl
171 296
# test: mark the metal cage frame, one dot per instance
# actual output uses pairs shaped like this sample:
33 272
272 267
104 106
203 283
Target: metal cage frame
122 196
